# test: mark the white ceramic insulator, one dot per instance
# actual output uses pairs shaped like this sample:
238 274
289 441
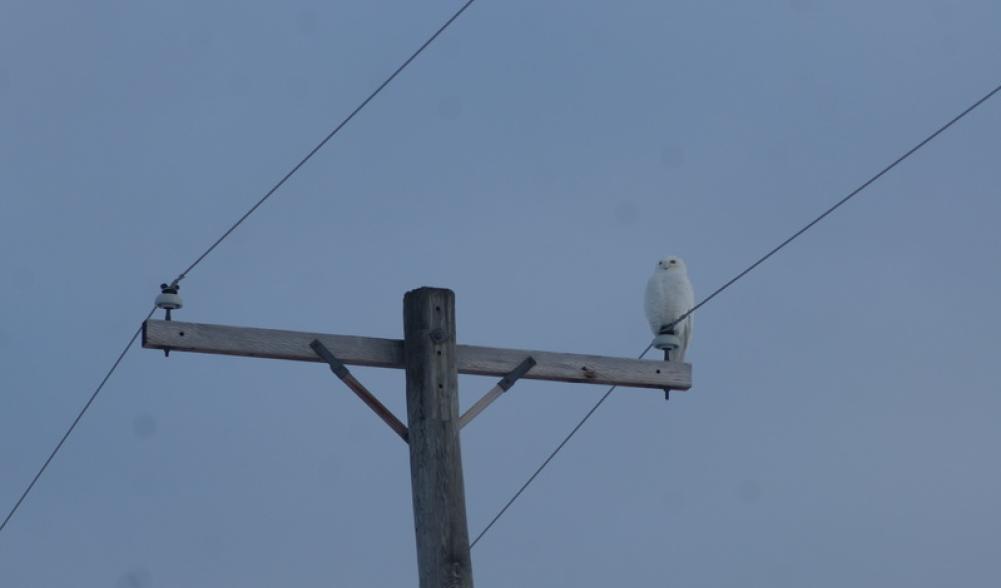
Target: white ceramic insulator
668 342
169 301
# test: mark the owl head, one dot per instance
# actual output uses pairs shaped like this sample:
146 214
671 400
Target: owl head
672 263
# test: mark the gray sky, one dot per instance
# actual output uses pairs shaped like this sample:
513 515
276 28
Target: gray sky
538 159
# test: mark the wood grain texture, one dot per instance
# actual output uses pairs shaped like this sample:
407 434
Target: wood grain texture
388 353
270 343
435 456
577 368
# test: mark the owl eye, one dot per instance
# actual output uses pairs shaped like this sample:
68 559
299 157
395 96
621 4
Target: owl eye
672 262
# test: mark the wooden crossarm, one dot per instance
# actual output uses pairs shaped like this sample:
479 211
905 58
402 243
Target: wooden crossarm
388 353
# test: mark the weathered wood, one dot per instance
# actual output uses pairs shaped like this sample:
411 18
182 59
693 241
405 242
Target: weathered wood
360 390
270 343
435 458
577 368
388 353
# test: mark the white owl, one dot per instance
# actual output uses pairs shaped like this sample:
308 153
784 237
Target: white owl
669 295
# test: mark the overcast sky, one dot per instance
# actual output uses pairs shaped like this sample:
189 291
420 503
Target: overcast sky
538 159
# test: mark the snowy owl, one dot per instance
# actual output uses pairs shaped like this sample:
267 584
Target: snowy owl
668 296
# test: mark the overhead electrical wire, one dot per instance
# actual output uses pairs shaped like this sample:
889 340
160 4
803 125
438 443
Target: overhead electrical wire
729 283
538 470
329 136
72 426
227 233
334 132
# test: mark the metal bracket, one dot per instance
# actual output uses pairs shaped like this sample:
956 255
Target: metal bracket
341 371
667 341
502 386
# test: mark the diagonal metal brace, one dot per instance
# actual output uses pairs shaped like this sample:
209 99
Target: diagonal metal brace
502 386
341 371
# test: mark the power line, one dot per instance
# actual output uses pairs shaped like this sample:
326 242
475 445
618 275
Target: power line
226 234
838 204
329 136
79 416
729 283
550 458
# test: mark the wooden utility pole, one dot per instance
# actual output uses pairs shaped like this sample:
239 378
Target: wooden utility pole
432 360
435 460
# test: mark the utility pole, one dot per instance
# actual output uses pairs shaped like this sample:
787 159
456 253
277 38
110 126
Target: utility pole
435 460
432 359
